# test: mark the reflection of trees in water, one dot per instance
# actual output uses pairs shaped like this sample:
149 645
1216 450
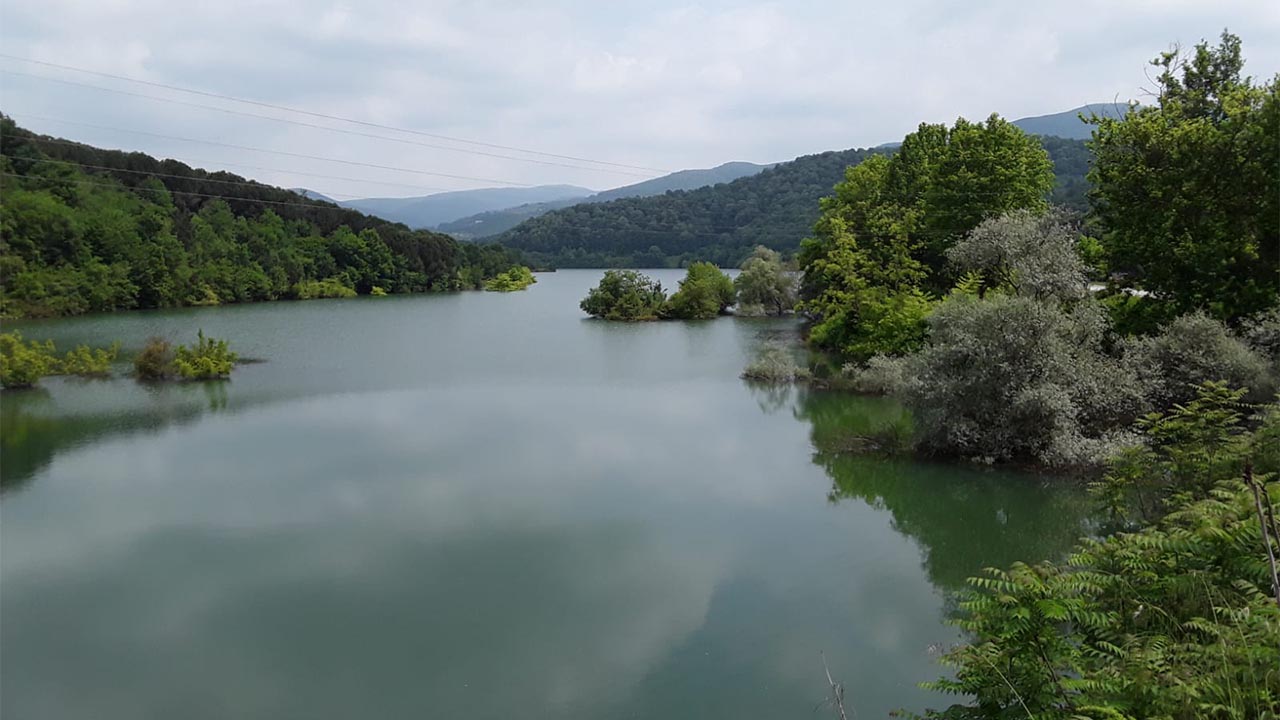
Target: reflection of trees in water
33 431
963 518
771 397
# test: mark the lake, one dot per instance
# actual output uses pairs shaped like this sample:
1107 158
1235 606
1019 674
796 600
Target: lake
477 505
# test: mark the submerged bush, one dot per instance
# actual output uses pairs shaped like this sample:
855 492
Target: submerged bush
625 295
90 362
517 278
22 364
155 360
764 286
1014 378
704 293
210 359
774 363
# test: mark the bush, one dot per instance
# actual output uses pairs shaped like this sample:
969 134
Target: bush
625 295
1191 350
774 363
1013 378
517 278
90 362
155 361
882 375
1024 253
704 293
210 359
23 364
327 288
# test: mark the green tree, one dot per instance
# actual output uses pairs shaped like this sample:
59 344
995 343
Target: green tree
625 295
1188 187
705 292
765 286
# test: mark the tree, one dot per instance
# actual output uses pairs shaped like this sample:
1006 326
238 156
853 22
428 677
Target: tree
625 295
1188 187
705 292
1025 254
765 286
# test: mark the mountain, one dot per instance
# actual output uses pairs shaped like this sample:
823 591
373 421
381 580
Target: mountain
94 230
774 207
313 195
428 211
721 223
1068 124
493 222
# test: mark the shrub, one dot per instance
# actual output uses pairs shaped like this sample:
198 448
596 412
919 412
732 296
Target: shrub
210 359
774 363
705 292
327 288
882 375
625 295
1024 253
1014 378
23 364
155 360
517 278
376 291
1193 349
90 362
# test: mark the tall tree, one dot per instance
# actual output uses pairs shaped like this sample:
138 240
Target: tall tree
1189 187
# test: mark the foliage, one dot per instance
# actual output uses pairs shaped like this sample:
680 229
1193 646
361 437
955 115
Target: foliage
1015 378
517 278
1190 350
765 286
89 230
22 364
90 362
774 363
1174 621
327 288
209 359
1025 254
883 235
1188 187
155 360
704 293
625 295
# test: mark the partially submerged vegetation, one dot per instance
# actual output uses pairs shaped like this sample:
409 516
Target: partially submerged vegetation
517 278
764 287
24 363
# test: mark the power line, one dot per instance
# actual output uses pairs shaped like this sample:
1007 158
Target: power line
37 138
323 127
329 117
275 152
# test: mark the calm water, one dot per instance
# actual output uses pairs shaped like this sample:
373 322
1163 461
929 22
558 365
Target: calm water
475 505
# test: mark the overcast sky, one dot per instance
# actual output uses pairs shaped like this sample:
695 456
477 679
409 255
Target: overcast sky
657 84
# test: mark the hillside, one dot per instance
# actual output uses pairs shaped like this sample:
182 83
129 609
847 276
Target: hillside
493 222
1068 124
92 230
721 223
428 211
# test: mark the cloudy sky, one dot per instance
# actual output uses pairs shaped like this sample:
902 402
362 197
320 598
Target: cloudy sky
653 86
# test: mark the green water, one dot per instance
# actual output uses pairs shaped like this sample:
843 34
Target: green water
475 505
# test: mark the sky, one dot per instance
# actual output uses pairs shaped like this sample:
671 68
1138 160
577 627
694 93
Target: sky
650 87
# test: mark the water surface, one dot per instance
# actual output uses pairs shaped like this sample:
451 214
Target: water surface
475 505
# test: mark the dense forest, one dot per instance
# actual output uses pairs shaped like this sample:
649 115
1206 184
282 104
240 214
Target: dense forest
89 230
723 223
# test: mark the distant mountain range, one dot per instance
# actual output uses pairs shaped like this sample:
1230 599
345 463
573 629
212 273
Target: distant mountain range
1068 124
427 211
496 221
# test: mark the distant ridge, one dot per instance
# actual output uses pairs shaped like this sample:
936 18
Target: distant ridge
1069 124
427 211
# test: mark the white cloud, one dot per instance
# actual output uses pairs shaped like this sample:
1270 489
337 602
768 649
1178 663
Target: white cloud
668 85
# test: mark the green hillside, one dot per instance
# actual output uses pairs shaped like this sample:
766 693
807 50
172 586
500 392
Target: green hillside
721 223
89 230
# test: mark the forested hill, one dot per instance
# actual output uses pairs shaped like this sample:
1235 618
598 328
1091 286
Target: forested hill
721 223
85 230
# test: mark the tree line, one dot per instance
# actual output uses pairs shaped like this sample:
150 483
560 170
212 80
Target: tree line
84 229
